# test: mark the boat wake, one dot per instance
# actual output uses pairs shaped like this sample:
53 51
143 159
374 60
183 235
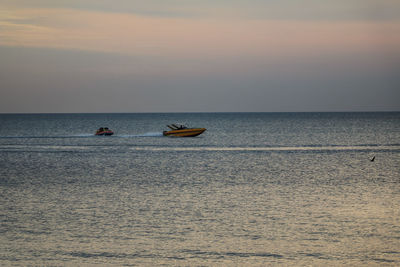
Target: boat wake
148 148
332 148
84 135
150 134
48 137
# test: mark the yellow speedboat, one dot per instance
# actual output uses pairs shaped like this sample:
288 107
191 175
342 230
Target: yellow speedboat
183 131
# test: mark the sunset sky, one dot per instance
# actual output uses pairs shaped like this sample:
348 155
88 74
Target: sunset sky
199 56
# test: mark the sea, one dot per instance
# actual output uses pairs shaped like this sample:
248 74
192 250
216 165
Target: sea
255 189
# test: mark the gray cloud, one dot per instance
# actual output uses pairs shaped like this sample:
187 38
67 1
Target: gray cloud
317 67
245 9
44 80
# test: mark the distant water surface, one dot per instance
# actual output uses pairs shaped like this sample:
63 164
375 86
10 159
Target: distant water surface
291 189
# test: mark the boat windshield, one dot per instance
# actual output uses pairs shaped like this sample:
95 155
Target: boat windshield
176 127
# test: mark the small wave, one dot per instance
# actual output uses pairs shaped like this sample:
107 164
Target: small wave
216 254
81 254
382 260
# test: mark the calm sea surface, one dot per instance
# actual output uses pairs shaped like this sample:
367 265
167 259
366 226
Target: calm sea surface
256 189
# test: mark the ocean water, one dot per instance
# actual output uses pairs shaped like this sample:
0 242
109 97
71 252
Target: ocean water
256 189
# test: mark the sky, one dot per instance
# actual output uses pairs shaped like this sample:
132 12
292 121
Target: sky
199 55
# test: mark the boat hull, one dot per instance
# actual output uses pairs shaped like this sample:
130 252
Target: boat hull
107 133
185 132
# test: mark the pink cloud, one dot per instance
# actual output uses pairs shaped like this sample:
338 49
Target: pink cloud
196 38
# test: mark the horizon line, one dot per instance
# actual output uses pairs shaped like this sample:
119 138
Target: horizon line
204 112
